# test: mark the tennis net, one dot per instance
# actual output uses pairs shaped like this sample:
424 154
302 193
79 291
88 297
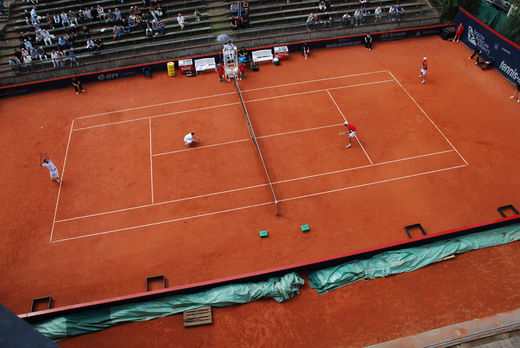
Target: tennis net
253 137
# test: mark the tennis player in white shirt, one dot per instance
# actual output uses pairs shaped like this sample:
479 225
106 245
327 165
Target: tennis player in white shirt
46 162
190 139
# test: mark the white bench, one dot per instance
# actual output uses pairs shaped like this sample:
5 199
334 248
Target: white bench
205 64
262 56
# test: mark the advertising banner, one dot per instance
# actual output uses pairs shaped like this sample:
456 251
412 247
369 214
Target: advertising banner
504 53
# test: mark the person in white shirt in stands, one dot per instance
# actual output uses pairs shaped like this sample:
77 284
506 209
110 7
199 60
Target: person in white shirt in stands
190 139
180 20
46 162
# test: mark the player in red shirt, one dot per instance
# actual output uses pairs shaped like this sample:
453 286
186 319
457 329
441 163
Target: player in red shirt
424 67
351 131
220 70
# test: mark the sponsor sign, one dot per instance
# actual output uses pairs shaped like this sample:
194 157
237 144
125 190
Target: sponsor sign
504 53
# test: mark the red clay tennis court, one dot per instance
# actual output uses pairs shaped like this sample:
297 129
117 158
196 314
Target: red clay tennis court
135 202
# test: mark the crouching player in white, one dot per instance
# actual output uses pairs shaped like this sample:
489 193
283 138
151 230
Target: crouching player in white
46 162
190 139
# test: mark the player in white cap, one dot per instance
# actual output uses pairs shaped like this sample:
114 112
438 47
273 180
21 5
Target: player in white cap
424 67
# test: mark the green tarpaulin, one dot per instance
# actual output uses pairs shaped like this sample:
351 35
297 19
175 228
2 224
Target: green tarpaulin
278 288
407 260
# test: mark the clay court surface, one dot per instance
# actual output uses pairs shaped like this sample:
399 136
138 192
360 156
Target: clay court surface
135 202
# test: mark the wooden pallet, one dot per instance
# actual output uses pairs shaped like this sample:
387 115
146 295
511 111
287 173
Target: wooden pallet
198 316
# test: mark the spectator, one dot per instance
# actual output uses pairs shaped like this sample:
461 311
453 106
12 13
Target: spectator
234 23
160 26
98 43
310 22
346 20
28 64
90 45
363 3
131 21
93 13
399 10
14 63
378 13
73 19
357 17
64 19
364 14
117 15
157 13
41 53
125 27
101 12
392 13
233 9
148 30
196 14
27 44
86 31
111 17
50 22
34 53
57 20
180 20
47 40
73 59
34 16
160 11
18 55
116 33
88 14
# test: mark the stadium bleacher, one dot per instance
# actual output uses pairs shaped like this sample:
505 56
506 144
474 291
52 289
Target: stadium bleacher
266 19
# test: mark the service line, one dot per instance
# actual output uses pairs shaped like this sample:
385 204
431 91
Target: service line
227 93
234 103
251 187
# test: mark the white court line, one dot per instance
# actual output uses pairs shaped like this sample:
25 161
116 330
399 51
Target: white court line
61 181
156 116
318 90
344 118
165 202
250 187
258 205
248 139
362 167
311 81
228 93
433 123
151 158
154 105
372 183
165 222
229 104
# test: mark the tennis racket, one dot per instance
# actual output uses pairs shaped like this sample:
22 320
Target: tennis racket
41 158
342 133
